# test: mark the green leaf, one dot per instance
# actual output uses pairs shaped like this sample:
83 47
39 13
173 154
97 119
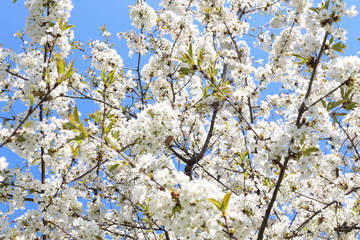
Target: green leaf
69 126
327 4
67 75
111 75
178 59
151 113
200 58
338 47
310 150
175 210
31 99
47 77
302 139
83 130
185 71
102 93
113 167
27 124
334 119
77 138
335 104
244 155
71 64
340 114
323 103
66 27
76 115
314 9
216 203
142 206
116 135
71 118
186 58
103 75
298 56
350 106
20 138
60 65
190 50
205 90
226 200
108 128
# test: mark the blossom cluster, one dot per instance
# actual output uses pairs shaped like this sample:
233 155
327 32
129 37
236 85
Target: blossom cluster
187 142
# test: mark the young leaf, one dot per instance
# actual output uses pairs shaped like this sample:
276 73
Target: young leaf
335 104
67 75
113 167
200 58
111 75
151 113
226 200
310 150
190 50
20 138
71 118
108 128
302 141
314 9
60 65
186 58
32 99
327 4
339 47
76 115
70 66
185 71
216 203
69 126
298 56
175 210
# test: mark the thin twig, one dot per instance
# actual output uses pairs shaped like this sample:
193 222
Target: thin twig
290 154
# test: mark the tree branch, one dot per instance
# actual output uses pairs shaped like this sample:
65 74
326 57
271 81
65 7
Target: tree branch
287 159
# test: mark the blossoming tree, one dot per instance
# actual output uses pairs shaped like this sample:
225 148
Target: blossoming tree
187 145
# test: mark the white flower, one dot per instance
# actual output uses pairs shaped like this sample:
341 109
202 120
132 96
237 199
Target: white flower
3 163
351 12
105 58
277 22
143 16
106 34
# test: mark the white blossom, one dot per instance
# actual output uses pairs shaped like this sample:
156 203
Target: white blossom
221 117
143 16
